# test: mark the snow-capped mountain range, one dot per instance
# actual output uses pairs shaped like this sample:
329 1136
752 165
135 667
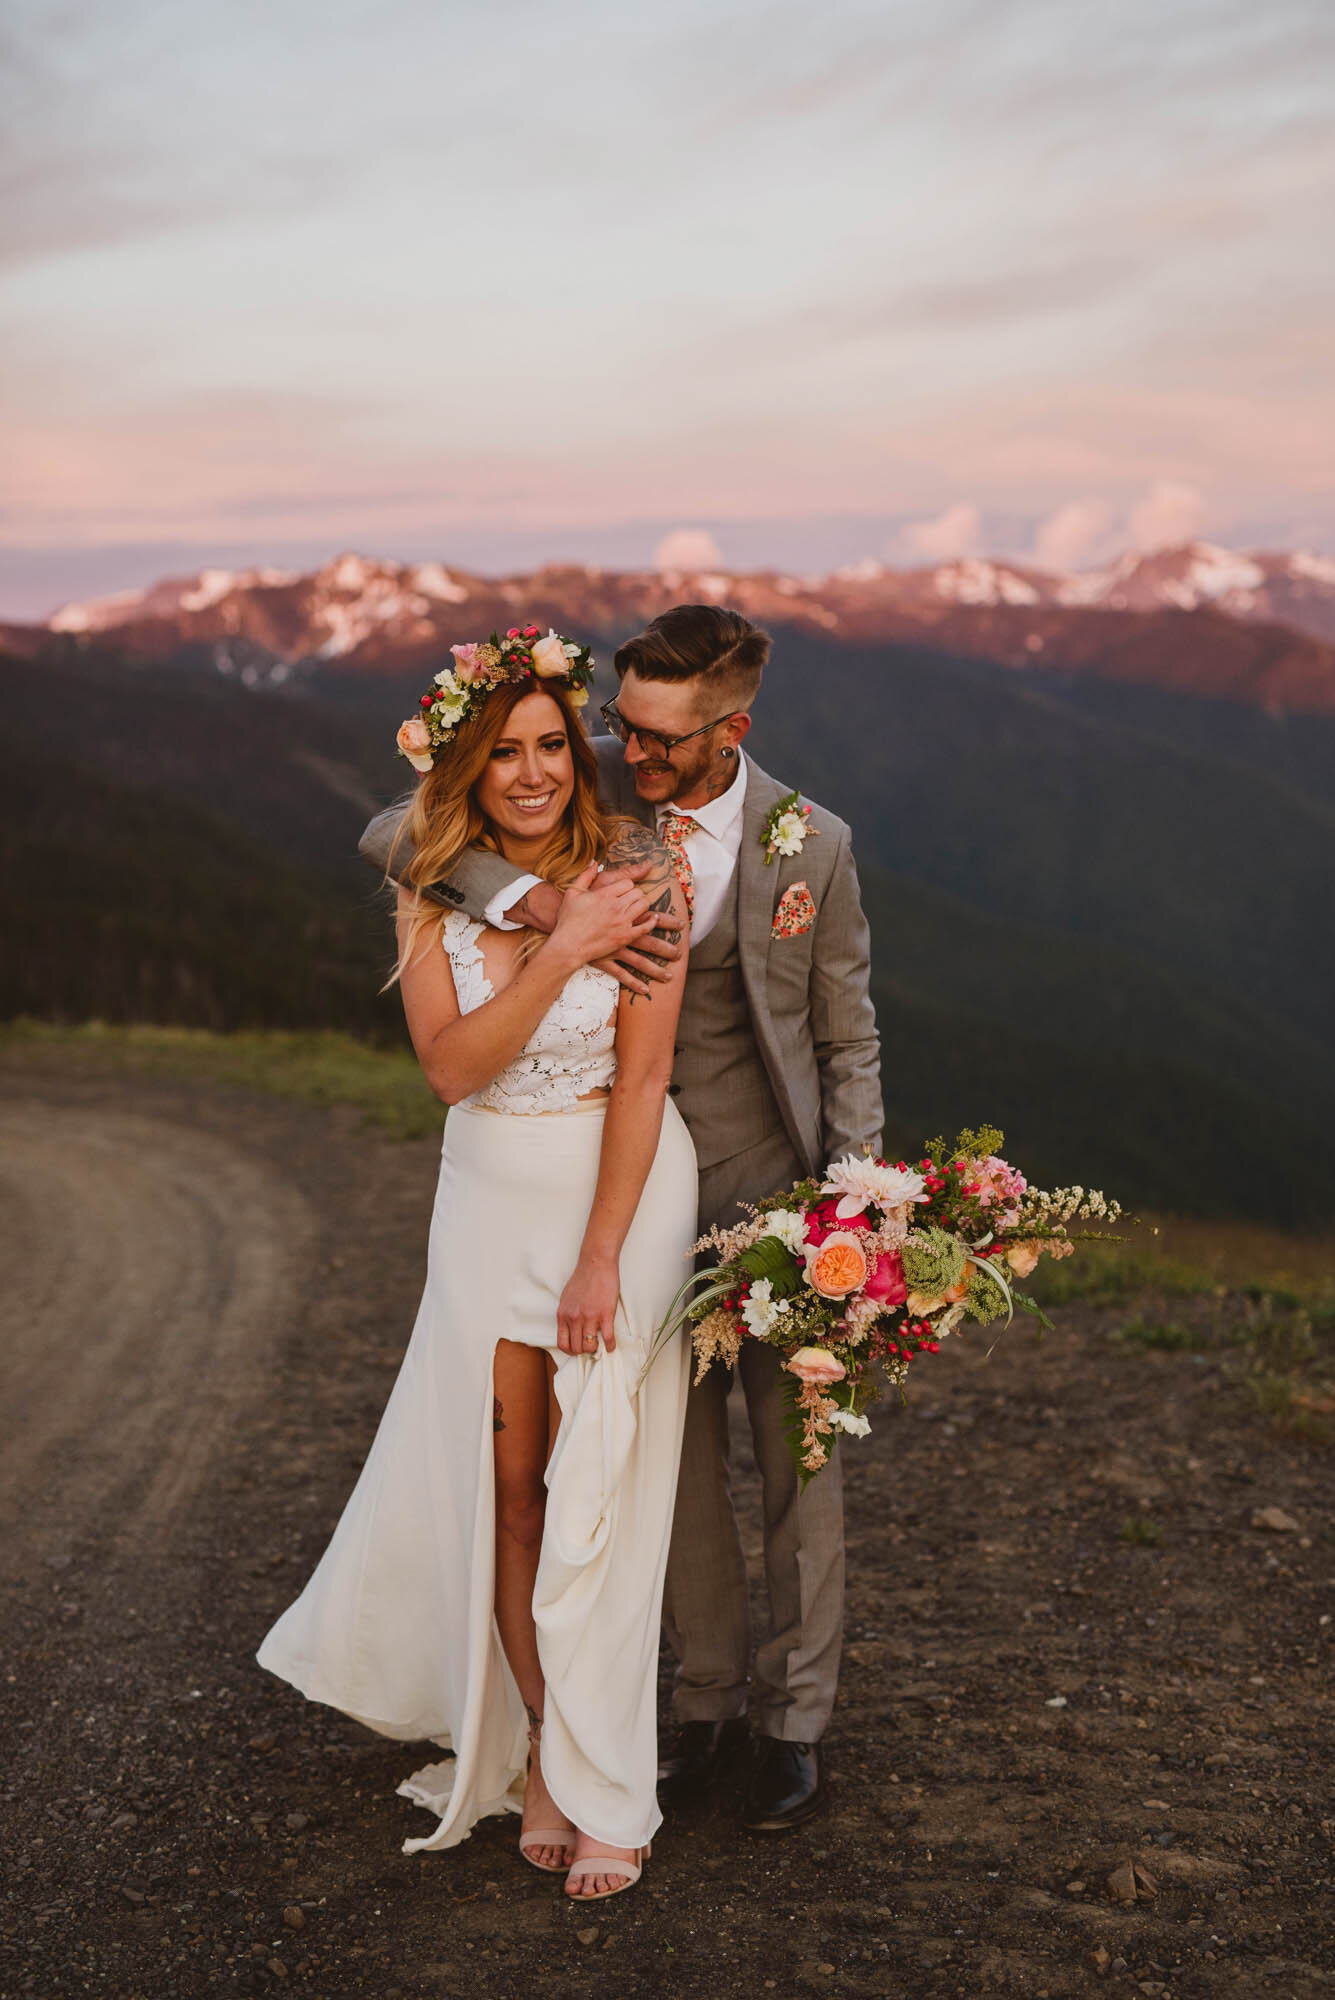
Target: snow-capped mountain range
1204 619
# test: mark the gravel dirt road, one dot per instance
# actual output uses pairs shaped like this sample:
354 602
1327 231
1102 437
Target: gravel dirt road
205 1296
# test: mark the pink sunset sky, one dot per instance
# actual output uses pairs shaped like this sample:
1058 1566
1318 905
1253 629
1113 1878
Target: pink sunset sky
761 283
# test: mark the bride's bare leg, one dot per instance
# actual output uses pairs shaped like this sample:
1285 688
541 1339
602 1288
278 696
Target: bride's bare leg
522 1426
526 1417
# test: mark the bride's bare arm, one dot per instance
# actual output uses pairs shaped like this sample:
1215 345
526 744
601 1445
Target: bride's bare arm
460 1053
645 1035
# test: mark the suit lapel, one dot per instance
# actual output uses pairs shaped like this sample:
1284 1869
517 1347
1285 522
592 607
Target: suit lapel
757 881
758 885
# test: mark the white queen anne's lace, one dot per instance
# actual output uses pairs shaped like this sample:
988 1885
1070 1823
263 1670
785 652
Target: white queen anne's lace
570 1053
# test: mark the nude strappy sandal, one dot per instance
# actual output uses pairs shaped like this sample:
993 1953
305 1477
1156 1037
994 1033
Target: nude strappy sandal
606 1864
544 1836
548 1836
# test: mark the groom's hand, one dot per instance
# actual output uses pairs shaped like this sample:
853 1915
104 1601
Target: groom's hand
649 961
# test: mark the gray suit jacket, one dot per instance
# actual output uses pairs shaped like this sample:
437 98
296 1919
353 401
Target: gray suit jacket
810 1007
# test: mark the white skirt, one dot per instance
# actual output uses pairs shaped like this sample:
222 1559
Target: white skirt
396 1626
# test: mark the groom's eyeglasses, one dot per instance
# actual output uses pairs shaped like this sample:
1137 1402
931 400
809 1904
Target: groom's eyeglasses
650 741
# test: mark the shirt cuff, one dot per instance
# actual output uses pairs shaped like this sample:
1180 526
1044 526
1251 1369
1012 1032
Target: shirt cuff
494 914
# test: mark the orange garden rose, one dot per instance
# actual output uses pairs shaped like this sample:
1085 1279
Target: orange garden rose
1022 1258
838 1266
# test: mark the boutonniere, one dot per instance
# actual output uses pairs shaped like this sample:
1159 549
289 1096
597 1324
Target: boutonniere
786 827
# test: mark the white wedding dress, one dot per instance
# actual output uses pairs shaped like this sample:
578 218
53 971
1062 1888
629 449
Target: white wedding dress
396 1625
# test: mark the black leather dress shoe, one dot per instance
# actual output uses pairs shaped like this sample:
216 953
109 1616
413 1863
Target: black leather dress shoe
785 1787
699 1753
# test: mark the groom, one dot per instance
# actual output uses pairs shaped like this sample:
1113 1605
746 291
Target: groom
777 1073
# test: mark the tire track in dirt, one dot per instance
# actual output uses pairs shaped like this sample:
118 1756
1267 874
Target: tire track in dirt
144 1267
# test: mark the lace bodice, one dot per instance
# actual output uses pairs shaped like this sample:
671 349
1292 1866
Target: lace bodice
571 1051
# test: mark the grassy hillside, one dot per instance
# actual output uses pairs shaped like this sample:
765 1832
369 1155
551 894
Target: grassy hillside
317 1065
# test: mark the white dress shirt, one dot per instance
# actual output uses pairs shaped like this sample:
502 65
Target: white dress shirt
712 850
494 914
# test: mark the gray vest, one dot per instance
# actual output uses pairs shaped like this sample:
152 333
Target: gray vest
719 1081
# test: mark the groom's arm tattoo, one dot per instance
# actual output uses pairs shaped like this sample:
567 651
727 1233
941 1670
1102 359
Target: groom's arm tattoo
497 1414
633 844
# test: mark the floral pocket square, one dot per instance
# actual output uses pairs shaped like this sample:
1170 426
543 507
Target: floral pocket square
796 912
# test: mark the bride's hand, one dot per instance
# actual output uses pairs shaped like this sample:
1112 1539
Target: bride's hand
588 1307
600 916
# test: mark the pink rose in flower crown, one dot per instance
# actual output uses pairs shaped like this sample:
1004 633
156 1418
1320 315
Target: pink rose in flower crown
414 739
815 1366
467 661
885 1282
549 658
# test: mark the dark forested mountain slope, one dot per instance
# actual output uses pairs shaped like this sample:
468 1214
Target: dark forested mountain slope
1106 925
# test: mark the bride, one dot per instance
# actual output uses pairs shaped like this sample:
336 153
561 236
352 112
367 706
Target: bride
494 1582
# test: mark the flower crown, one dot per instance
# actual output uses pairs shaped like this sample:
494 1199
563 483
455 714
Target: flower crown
481 666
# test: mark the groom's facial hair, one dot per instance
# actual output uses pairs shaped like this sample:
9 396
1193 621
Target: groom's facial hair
690 767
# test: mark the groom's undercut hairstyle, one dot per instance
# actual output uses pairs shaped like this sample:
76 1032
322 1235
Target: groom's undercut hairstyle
724 652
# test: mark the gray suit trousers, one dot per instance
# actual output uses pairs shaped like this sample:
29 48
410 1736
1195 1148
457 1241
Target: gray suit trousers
705 1607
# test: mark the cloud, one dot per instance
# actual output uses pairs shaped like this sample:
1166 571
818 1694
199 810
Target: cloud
956 532
688 548
1171 512
1072 535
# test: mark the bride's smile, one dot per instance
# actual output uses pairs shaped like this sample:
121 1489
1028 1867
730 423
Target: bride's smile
529 778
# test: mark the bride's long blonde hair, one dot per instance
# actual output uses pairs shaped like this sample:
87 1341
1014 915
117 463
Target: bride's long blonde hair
445 817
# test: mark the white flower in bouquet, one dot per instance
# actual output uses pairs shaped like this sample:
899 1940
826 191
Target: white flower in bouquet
762 1308
789 1226
861 1183
844 1420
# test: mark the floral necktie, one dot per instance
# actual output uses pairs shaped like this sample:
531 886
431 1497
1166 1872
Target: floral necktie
674 833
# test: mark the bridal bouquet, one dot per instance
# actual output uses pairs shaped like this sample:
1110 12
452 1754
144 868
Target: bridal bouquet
876 1264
